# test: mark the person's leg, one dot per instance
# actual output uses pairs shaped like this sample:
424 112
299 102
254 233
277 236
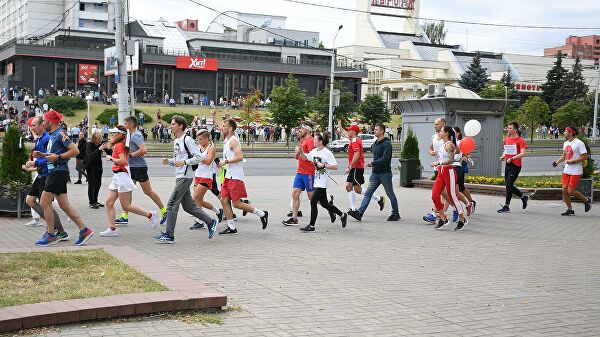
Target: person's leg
386 180
47 211
451 187
436 195
91 188
373 185
125 200
111 198
325 203
40 211
314 211
181 186
147 188
65 205
189 206
295 202
511 173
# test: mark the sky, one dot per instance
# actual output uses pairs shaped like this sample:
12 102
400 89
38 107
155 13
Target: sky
580 13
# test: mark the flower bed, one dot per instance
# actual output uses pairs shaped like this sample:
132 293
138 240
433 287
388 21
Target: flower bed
525 181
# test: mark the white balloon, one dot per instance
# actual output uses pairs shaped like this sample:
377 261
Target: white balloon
472 128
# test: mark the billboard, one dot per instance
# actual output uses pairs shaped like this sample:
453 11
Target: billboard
10 69
197 63
399 4
88 74
110 60
527 87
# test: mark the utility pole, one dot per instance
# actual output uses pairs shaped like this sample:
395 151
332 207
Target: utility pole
595 124
122 84
333 61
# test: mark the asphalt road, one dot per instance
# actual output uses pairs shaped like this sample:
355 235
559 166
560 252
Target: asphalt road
287 167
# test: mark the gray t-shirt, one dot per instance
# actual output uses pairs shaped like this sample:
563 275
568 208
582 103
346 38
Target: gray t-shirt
134 145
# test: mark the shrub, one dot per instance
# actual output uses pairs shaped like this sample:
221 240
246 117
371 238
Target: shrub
65 104
588 170
410 148
14 154
104 117
167 118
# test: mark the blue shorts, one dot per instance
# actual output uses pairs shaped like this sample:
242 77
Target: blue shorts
304 182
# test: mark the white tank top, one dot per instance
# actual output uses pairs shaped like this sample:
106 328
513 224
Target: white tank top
442 153
457 156
203 170
234 170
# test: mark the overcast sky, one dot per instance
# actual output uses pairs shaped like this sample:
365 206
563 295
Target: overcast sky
511 40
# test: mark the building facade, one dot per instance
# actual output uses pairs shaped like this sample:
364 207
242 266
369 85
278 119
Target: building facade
586 47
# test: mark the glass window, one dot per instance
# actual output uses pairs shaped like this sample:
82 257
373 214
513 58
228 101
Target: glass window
244 81
291 59
81 23
82 7
252 81
260 81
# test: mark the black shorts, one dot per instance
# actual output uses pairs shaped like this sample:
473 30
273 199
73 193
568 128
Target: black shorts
37 187
139 174
356 176
460 178
56 182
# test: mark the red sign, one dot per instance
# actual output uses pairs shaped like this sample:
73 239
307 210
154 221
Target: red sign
400 4
88 74
197 63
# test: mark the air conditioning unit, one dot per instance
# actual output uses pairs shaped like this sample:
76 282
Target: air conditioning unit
436 90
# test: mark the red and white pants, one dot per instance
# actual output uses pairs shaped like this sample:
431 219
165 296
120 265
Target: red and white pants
446 178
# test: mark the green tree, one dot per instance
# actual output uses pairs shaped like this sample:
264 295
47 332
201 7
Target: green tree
554 80
572 114
321 45
496 91
319 104
250 113
573 86
436 32
14 155
475 77
288 105
410 146
374 110
509 83
533 113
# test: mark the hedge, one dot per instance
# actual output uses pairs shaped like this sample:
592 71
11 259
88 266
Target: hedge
168 117
104 117
65 104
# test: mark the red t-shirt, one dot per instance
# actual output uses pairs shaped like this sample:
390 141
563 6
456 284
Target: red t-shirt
306 166
356 146
512 147
119 148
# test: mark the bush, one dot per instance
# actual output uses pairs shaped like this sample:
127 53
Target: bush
410 149
588 170
167 118
12 158
65 104
104 117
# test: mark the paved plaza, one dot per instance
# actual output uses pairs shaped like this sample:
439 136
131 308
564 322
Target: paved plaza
528 273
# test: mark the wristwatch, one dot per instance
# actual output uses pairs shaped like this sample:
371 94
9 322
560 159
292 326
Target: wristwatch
59 157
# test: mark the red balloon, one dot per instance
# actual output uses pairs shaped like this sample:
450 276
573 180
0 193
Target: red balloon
467 145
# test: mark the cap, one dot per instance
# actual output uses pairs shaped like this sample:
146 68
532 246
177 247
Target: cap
354 128
117 130
53 116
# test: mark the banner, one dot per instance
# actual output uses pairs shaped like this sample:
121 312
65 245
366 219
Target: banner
88 74
197 63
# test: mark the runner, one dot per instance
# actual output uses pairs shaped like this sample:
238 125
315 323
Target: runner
574 155
514 150
465 160
139 169
435 144
185 157
324 160
305 173
381 174
356 167
204 176
460 179
60 149
446 179
233 187
122 185
40 165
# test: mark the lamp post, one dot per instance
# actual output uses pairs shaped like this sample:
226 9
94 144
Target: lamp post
33 93
595 124
387 97
88 98
333 60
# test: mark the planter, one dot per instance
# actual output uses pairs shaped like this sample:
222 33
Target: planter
16 206
409 170
586 187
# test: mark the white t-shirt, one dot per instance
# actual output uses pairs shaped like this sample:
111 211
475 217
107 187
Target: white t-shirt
573 151
322 156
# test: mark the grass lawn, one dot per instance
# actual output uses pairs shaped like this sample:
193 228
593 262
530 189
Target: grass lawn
49 276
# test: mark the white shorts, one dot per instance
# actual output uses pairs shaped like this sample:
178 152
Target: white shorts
121 182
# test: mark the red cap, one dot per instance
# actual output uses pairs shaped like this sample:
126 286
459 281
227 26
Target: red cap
53 117
30 122
354 128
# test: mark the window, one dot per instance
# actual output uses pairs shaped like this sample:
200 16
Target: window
291 59
81 23
82 7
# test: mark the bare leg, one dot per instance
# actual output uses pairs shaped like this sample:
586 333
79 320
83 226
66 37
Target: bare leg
110 207
295 202
65 205
147 188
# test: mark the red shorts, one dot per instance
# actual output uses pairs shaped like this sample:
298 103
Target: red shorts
233 189
206 182
570 180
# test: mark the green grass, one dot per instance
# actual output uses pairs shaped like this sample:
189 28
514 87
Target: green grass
48 276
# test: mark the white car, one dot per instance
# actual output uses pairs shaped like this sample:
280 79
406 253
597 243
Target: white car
343 143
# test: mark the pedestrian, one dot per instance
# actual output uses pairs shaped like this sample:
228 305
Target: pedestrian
60 149
461 163
233 188
435 144
323 161
186 156
93 165
381 174
81 146
574 155
514 151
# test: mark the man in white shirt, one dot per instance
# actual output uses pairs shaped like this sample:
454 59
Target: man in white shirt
574 156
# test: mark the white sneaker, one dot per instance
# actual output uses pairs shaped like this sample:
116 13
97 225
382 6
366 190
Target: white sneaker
155 219
34 223
109 232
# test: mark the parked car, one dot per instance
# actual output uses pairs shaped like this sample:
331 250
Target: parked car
343 143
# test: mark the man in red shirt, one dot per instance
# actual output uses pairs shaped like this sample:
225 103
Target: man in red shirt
514 150
356 168
305 174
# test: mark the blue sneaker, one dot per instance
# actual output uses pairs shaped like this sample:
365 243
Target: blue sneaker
430 218
212 228
164 238
164 219
46 240
454 216
84 235
121 221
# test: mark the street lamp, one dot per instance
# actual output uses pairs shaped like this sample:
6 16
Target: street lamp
333 60
88 98
595 124
387 97
33 93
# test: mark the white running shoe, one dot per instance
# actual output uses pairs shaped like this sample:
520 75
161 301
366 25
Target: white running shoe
155 219
109 232
34 223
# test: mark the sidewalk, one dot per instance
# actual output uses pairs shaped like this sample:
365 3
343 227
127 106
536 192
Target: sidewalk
527 273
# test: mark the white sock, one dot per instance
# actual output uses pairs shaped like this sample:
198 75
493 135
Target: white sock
230 224
258 212
216 210
352 198
34 215
376 197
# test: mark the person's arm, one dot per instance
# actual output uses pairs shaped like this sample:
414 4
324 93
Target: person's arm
432 151
518 156
451 151
237 150
341 131
141 149
386 158
121 160
210 156
72 151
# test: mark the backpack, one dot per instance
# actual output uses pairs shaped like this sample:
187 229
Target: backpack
194 167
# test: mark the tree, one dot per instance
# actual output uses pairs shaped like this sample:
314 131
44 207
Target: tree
374 110
288 105
493 92
436 32
533 113
508 82
475 77
572 114
321 45
573 86
14 154
320 105
554 80
250 113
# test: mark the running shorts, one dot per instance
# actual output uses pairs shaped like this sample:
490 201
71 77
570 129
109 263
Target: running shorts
570 180
37 187
121 182
304 182
56 182
139 174
233 189
356 176
206 182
